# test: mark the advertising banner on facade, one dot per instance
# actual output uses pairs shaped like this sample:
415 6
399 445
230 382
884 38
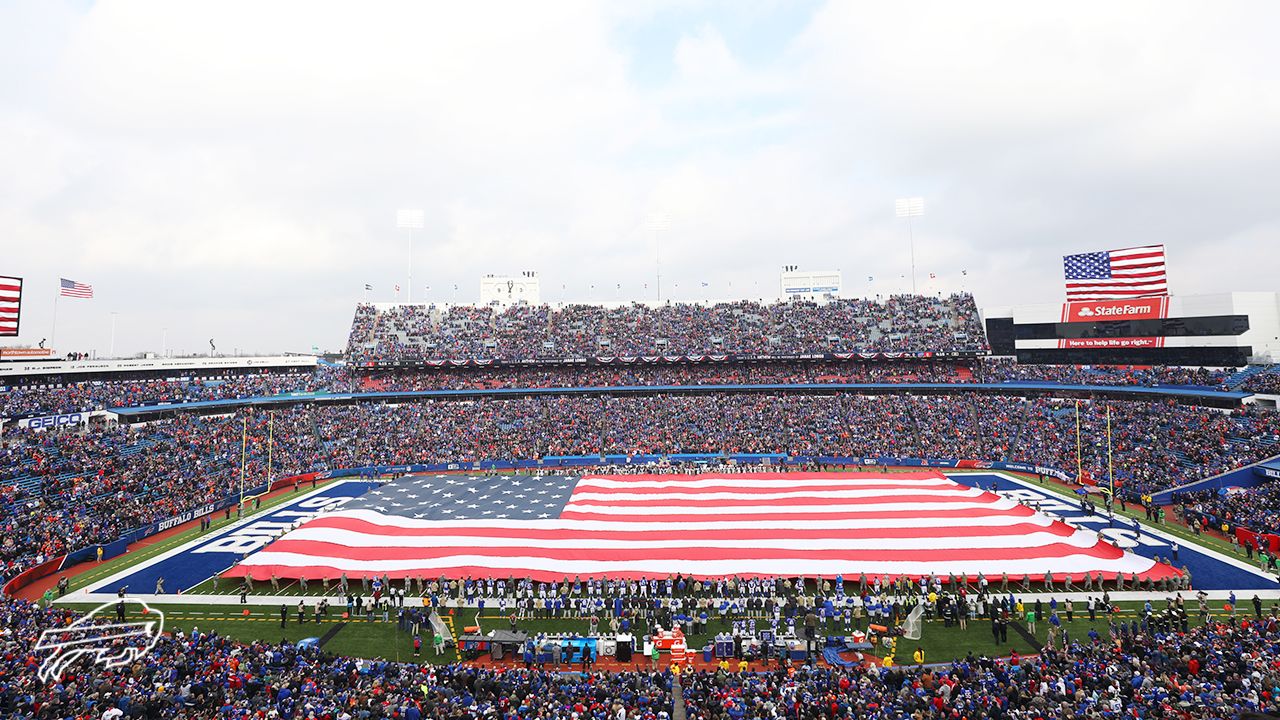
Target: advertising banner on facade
1101 310
1111 343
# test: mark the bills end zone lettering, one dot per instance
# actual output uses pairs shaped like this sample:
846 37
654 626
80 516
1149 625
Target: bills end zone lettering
258 533
1145 309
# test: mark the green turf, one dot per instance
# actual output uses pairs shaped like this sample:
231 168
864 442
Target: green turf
361 638
356 638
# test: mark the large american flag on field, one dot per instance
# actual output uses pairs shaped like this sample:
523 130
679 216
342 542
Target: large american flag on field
714 525
1116 274
10 305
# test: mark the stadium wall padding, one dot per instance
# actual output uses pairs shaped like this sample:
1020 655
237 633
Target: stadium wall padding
1245 477
32 574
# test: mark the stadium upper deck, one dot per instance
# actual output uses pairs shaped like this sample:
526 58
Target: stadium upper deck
901 324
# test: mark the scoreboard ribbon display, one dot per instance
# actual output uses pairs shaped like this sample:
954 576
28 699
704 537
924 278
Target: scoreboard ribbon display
1105 343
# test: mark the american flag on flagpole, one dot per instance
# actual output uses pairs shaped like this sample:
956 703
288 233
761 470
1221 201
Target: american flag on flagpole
1116 274
71 288
10 305
764 524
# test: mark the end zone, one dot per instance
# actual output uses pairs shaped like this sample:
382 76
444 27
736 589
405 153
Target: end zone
1210 570
197 560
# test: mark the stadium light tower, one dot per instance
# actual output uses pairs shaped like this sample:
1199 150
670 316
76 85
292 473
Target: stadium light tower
909 208
410 220
659 222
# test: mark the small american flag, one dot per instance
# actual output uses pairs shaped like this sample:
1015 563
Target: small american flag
1116 274
71 288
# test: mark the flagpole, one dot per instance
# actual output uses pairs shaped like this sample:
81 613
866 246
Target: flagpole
53 336
1079 463
911 236
1111 473
244 444
271 420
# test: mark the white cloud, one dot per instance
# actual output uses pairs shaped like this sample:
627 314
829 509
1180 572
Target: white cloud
244 156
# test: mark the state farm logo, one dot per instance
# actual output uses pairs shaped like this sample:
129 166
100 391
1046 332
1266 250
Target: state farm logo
1114 310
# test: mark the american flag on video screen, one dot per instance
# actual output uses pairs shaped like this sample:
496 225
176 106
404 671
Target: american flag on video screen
10 305
1116 274
549 528
71 288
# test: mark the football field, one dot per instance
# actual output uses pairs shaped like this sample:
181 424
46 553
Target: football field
190 569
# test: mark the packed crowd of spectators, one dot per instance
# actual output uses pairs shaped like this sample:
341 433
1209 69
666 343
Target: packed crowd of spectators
1006 370
1267 381
200 674
71 488
63 490
522 332
1220 670
1225 668
1255 508
1155 446
57 395
43 395
985 370
624 374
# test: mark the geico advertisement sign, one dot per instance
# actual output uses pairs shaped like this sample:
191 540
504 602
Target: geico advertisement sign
48 421
1144 309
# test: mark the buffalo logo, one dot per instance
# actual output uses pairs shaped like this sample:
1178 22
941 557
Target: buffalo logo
106 644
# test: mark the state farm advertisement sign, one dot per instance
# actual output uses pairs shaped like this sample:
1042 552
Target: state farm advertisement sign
1108 343
1102 310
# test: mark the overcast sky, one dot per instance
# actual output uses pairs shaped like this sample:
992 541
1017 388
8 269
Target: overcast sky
232 170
